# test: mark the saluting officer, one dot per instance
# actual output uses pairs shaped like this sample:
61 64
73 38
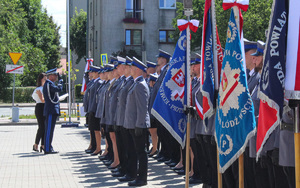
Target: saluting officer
137 121
51 109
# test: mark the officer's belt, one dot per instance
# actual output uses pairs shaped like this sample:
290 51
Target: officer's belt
287 126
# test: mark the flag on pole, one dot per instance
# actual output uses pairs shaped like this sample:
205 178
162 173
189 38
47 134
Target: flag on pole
292 80
89 62
207 66
235 122
168 107
271 86
169 102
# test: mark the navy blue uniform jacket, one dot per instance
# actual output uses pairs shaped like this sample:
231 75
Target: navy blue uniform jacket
51 98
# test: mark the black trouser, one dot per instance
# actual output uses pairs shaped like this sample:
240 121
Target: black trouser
290 175
197 159
203 156
40 134
92 121
49 130
130 154
110 152
261 174
121 145
209 154
170 148
141 154
249 175
276 174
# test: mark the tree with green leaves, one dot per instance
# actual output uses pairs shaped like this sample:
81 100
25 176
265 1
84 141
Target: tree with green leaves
256 20
25 27
78 26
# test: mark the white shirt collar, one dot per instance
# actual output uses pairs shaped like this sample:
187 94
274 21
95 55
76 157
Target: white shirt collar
251 72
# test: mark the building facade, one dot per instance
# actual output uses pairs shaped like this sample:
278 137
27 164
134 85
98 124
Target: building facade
143 26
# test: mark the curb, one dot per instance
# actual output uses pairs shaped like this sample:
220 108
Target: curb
31 123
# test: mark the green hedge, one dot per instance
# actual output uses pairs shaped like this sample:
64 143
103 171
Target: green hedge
22 95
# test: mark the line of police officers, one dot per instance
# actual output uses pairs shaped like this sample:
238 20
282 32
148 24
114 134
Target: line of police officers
118 102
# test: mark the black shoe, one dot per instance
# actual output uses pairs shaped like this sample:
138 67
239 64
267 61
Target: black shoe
89 151
113 167
118 174
180 172
151 155
115 170
108 163
51 152
35 148
168 161
193 180
96 153
41 148
102 158
126 178
176 168
172 164
137 183
159 155
163 159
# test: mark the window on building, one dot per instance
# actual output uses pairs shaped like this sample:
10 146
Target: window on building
133 37
167 4
165 36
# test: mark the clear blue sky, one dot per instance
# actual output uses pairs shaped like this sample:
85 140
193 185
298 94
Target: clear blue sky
57 8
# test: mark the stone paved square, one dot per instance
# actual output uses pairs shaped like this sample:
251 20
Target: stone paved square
20 166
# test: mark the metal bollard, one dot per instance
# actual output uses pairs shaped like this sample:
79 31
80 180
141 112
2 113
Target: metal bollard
78 116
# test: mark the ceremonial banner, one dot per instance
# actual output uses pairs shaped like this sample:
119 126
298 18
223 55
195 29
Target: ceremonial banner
89 62
207 66
292 80
168 107
271 86
235 123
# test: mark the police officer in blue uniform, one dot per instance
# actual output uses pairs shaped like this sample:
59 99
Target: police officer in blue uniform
52 109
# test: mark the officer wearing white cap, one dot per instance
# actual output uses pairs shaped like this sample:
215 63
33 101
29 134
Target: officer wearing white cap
94 126
112 92
105 119
51 109
137 121
100 99
122 134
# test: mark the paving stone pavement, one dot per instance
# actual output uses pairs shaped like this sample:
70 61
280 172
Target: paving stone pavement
72 167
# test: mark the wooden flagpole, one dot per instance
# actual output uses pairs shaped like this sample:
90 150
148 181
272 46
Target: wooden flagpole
216 81
297 145
241 157
188 13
